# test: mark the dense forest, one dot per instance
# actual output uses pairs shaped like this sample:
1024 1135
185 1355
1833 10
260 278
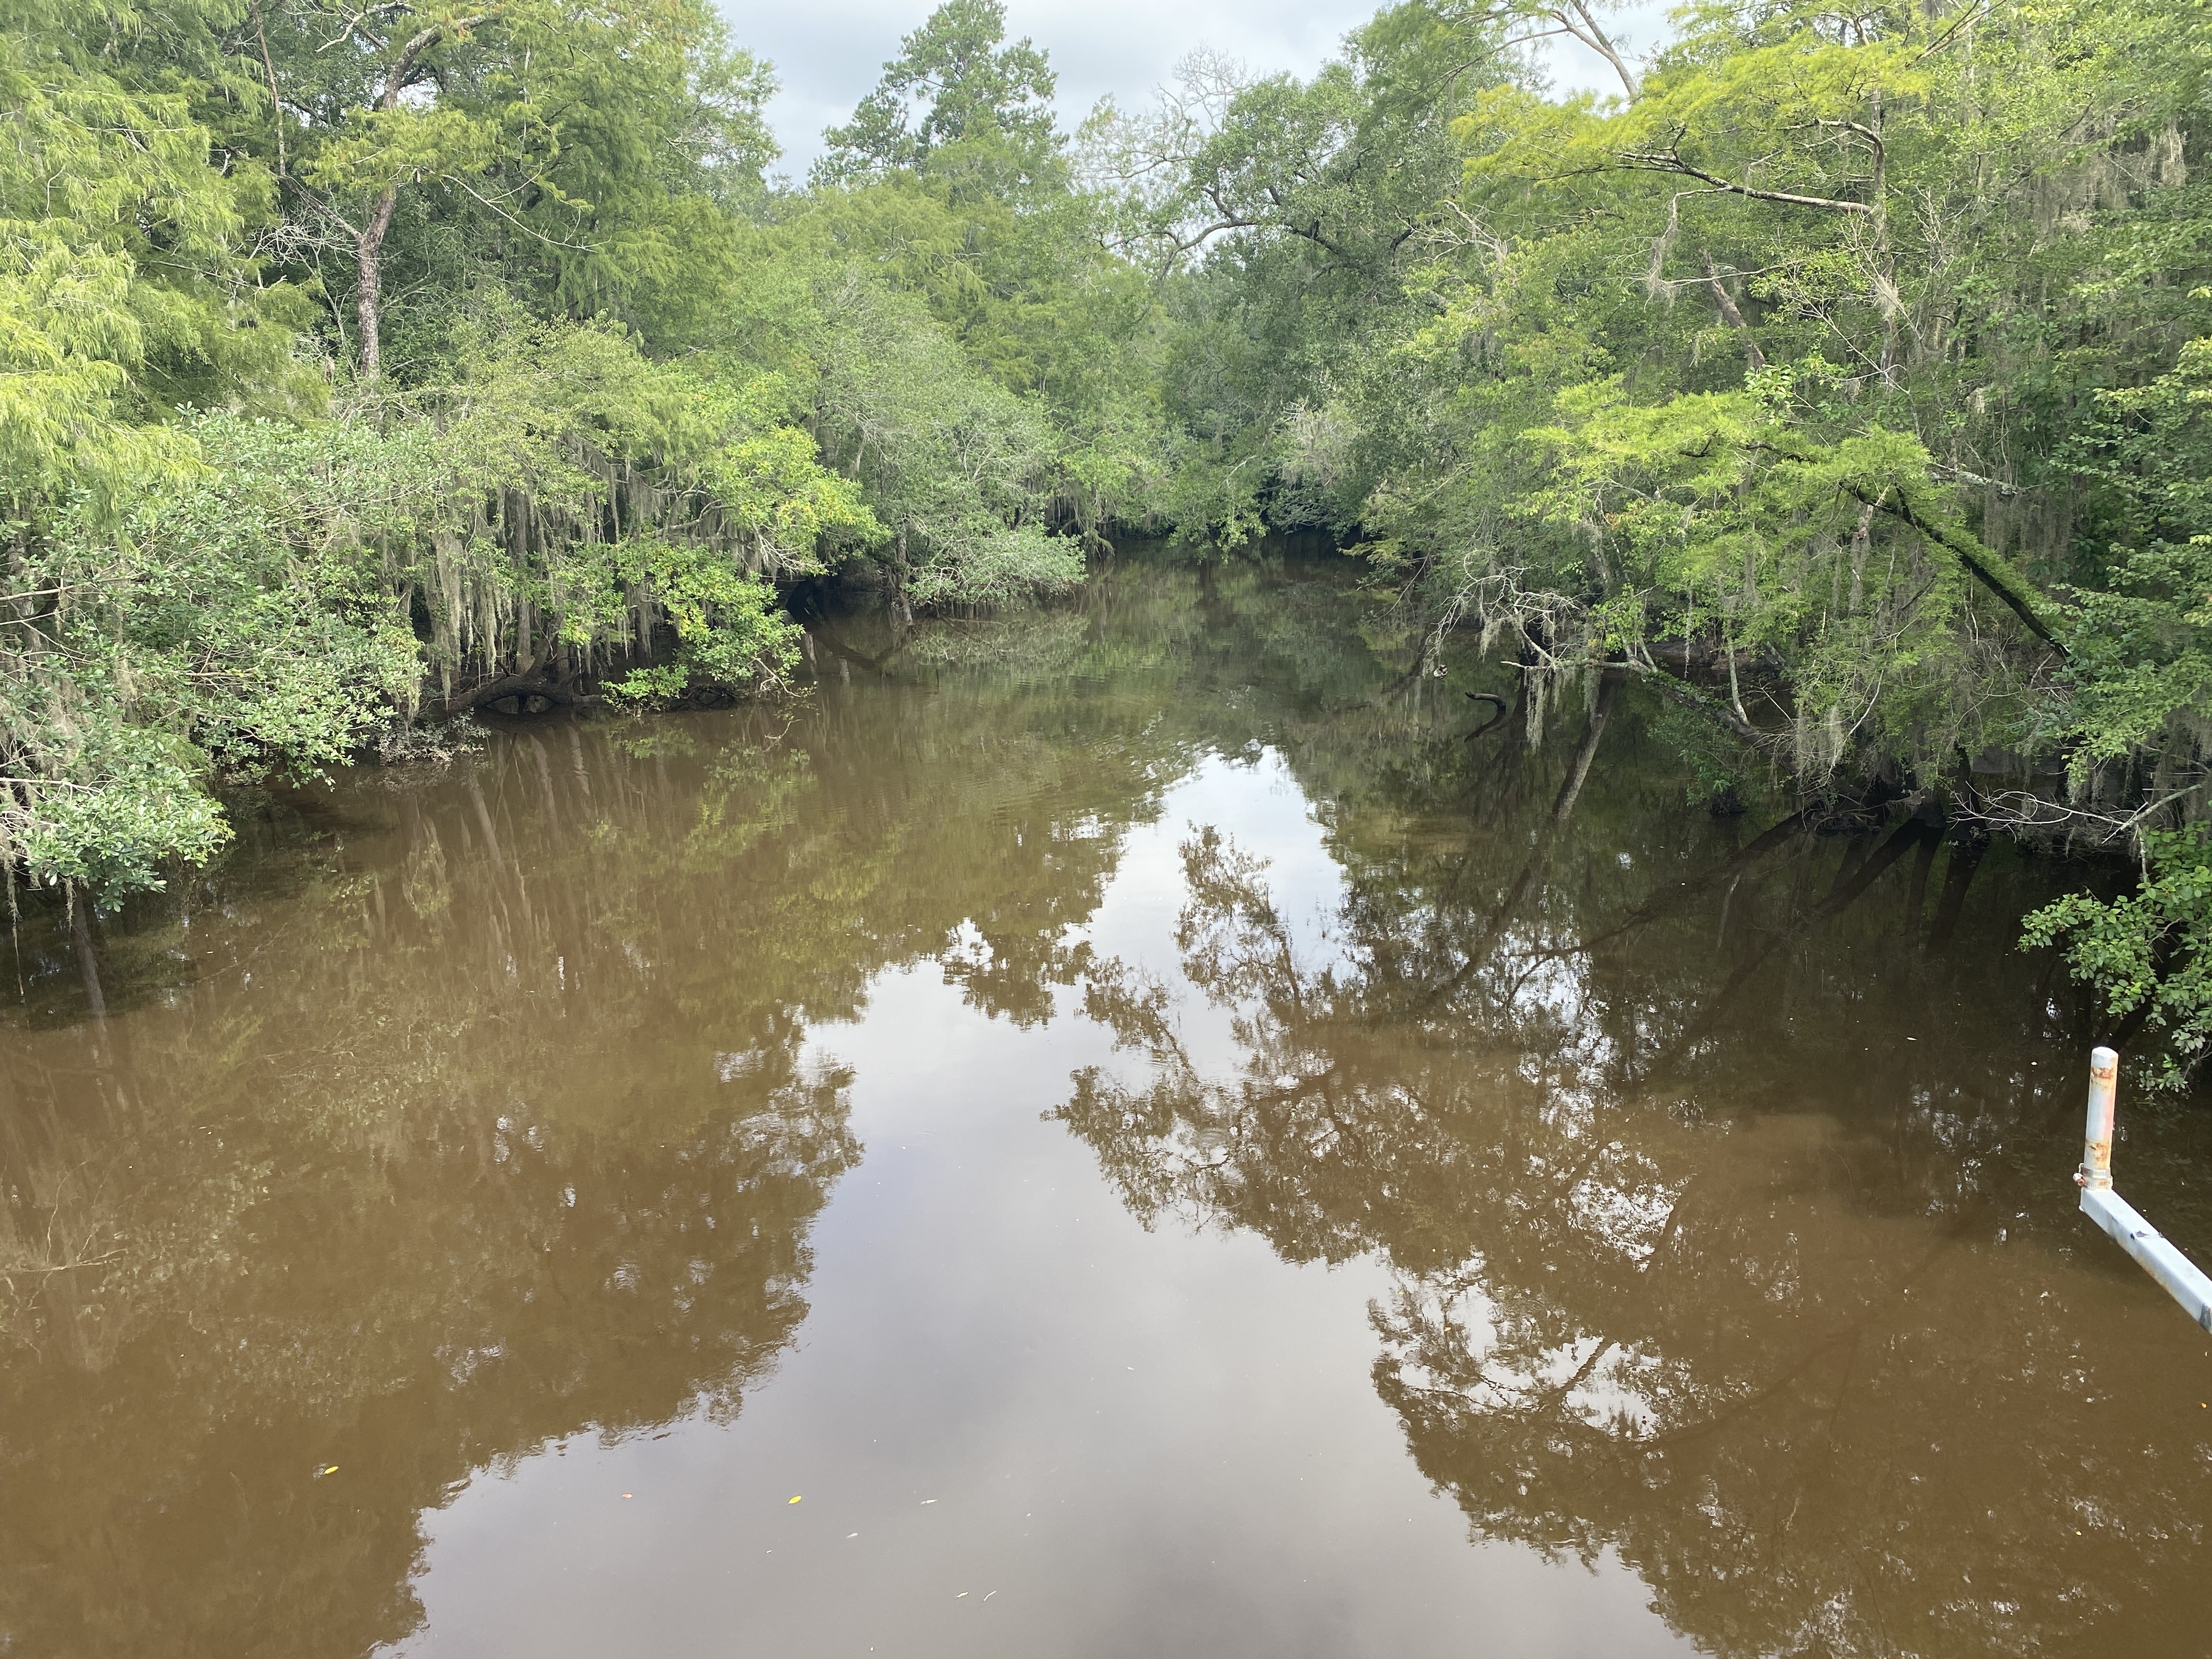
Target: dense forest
1842 376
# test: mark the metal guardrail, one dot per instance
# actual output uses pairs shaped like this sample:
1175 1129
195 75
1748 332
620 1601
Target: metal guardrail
2184 1282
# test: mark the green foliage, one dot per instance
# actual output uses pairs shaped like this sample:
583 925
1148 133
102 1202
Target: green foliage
957 465
957 101
2148 953
1713 763
523 383
2143 664
728 634
185 635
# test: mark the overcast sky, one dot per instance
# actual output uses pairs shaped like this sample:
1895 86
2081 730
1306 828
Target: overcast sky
828 52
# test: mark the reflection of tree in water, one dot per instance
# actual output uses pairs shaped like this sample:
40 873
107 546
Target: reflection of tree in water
475 1117
388 1176
465 1297
1743 1287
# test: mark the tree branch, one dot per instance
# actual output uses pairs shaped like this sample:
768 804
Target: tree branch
1595 39
402 67
1991 569
1731 315
1668 161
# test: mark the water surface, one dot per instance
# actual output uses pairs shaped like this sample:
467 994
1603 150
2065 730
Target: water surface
1157 1139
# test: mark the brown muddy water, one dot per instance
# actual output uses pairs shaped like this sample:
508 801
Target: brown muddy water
1114 1141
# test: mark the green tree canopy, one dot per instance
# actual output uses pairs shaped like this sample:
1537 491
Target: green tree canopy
957 98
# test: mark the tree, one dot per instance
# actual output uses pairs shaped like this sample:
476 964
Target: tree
957 469
354 82
956 90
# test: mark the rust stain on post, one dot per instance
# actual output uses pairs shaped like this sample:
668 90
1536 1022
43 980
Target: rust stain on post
2096 1169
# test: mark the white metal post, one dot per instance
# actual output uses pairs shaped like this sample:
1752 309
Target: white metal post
2183 1279
2097 1146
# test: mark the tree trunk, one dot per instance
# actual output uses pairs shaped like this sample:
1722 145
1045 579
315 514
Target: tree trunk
1862 543
1731 315
1891 303
546 785
515 509
1539 855
1586 751
484 819
901 612
1855 849
576 760
1870 869
368 266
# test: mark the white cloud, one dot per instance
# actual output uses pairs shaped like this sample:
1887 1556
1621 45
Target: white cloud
828 54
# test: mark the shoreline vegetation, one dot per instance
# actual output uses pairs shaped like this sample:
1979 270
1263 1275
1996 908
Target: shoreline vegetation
1842 378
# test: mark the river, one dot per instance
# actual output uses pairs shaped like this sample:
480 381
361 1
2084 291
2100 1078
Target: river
1134 1133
